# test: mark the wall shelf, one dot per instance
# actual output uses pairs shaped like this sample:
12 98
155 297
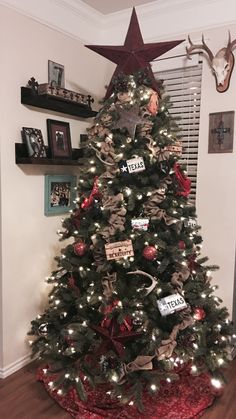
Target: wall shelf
23 158
55 104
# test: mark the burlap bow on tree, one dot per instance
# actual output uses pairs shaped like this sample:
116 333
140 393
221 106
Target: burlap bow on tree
154 212
98 131
165 351
117 218
168 345
179 277
106 152
107 283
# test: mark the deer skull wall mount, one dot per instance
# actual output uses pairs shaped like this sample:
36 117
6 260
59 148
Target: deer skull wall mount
221 64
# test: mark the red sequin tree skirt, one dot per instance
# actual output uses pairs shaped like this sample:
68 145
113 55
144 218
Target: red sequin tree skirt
186 398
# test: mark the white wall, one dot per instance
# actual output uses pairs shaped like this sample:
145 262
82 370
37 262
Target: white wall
216 189
29 238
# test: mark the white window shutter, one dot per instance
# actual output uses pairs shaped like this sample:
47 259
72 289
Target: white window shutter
183 86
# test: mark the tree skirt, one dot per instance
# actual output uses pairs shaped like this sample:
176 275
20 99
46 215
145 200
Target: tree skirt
186 398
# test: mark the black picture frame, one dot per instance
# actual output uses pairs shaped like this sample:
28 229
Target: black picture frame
33 139
59 139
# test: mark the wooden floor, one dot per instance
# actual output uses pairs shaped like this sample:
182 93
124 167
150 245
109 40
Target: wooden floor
21 397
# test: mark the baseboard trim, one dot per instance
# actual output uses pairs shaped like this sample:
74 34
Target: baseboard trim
15 366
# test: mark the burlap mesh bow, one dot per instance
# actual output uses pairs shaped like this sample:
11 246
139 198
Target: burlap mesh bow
117 218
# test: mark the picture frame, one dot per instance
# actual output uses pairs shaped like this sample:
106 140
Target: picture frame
33 139
221 132
60 194
59 139
56 74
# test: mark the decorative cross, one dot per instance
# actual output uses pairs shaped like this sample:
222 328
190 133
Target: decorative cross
220 131
33 84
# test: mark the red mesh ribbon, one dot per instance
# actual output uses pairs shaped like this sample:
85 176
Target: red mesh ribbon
184 182
95 194
186 398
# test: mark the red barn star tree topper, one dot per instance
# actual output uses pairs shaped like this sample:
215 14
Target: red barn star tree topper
134 55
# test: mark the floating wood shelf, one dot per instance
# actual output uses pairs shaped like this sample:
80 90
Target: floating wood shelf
23 158
55 104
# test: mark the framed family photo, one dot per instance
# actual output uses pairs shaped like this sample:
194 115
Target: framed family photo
56 74
60 194
59 139
33 139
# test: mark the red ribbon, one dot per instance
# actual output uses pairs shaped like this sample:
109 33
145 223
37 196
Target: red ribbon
95 194
183 181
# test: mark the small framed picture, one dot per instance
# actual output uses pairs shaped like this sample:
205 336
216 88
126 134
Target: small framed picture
33 139
60 194
221 132
56 74
59 139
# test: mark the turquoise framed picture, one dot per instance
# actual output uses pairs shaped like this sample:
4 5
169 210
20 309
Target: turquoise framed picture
60 194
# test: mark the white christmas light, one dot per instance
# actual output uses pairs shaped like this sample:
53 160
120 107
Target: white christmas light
194 368
67 375
216 383
59 392
70 331
153 387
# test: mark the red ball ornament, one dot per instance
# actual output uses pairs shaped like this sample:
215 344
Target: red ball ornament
150 252
181 245
80 248
199 313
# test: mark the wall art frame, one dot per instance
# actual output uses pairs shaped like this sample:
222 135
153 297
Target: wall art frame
60 194
221 132
59 139
56 74
33 139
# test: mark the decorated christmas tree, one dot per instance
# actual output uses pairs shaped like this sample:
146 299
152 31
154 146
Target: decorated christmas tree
131 305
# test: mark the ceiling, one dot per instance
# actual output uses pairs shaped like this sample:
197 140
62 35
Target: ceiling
110 6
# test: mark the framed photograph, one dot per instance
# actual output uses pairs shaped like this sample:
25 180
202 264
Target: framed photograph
59 139
56 74
221 132
33 139
60 194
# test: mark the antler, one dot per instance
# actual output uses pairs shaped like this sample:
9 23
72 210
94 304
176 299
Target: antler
202 46
229 47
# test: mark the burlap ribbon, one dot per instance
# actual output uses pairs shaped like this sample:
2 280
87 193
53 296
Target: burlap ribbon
165 351
154 212
98 131
179 277
106 152
117 218
168 345
107 283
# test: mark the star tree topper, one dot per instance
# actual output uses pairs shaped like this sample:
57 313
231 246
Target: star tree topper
134 55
